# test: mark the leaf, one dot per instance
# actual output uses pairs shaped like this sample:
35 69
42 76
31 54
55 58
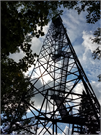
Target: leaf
37 36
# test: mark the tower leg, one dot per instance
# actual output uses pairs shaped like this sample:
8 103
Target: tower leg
56 128
53 128
72 129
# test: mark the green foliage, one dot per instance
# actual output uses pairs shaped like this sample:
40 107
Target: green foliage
92 8
97 39
97 35
97 53
87 112
19 22
14 87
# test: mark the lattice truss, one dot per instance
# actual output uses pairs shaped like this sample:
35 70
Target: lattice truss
62 88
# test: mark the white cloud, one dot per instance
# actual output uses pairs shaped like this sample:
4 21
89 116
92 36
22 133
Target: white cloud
90 66
14 133
74 24
97 89
87 43
66 131
36 45
50 130
76 20
17 56
45 28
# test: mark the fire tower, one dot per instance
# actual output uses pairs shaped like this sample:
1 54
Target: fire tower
62 92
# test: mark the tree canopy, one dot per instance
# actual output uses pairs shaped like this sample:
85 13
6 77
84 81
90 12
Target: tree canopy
97 39
92 8
19 23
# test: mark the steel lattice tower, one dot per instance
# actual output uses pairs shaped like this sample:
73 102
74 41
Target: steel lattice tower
58 77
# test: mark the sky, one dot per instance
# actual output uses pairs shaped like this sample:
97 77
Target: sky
79 33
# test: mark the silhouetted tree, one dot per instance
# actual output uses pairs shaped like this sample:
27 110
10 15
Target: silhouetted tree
97 53
19 22
86 112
